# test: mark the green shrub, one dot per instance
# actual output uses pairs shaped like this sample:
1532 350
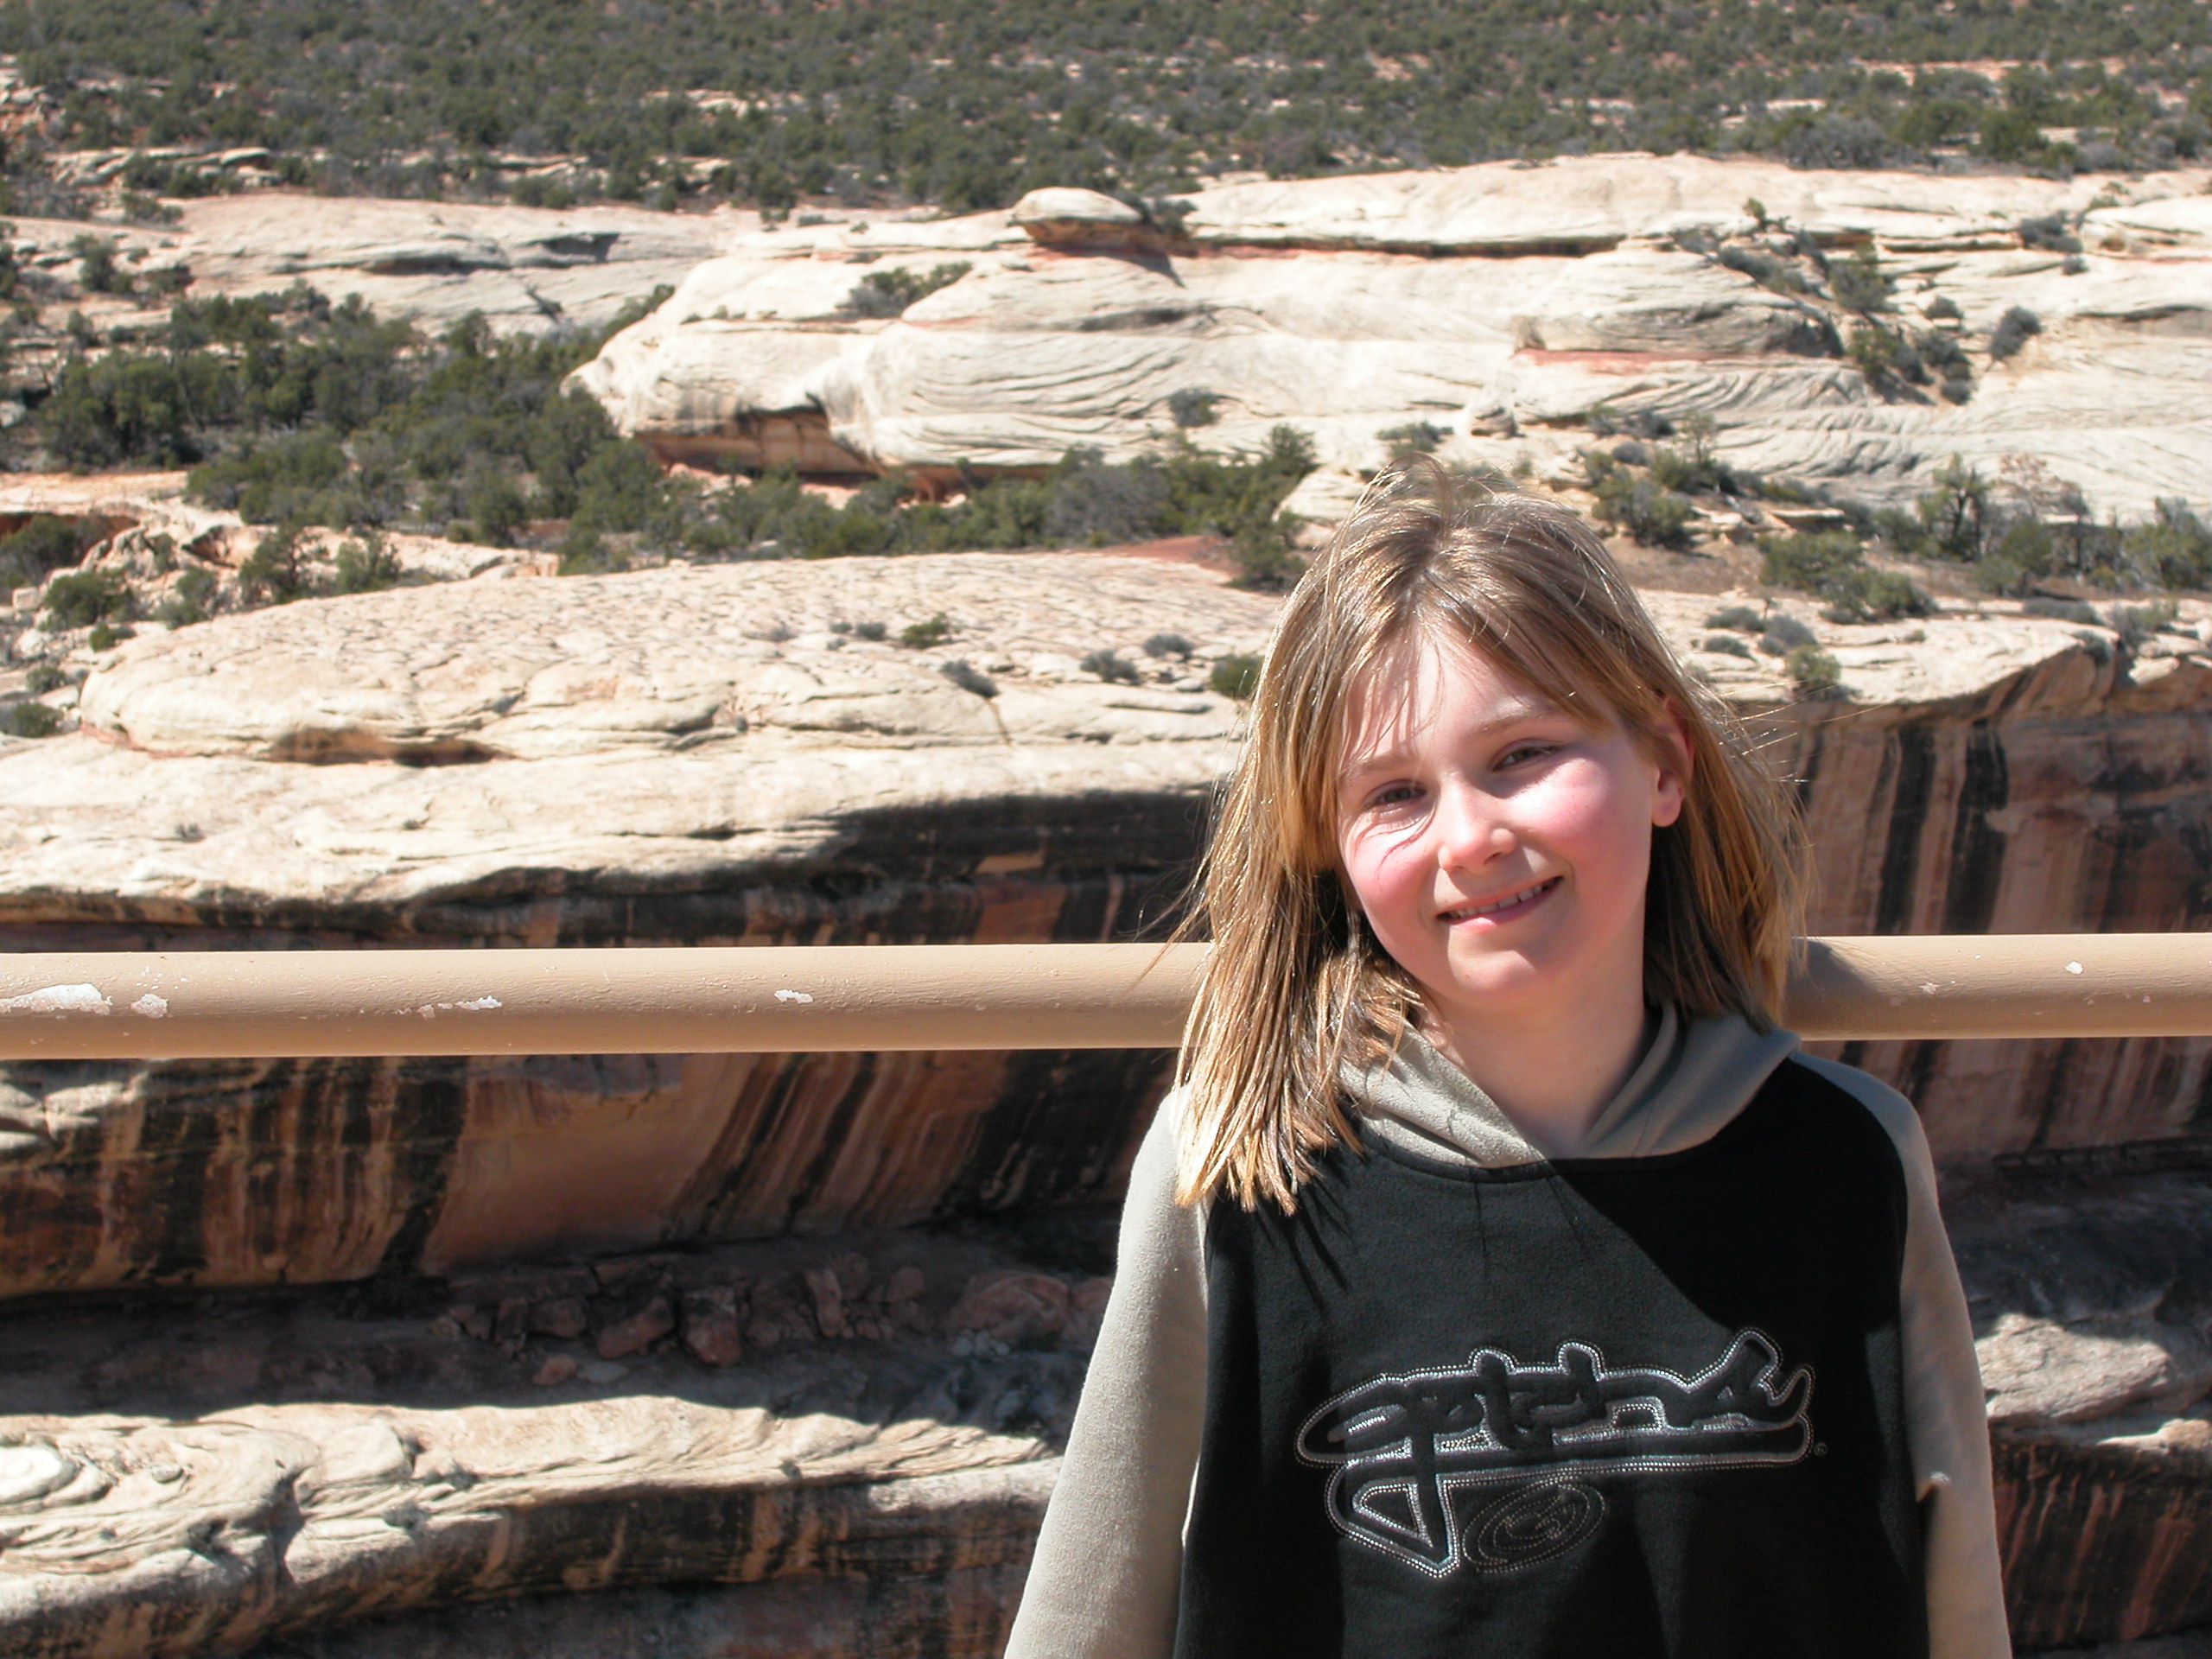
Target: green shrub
888 293
2048 233
42 678
276 572
292 478
1652 514
1782 633
1111 666
1832 565
1419 437
2061 610
1729 644
366 565
1956 517
96 267
920 635
1235 677
1737 616
1814 672
2174 548
44 545
2023 554
1858 284
1191 407
1167 645
191 600
2135 624
28 719
1870 595
967 678
106 635
2012 331
79 599
1809 560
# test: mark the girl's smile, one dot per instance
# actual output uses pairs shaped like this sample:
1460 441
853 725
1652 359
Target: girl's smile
1498 846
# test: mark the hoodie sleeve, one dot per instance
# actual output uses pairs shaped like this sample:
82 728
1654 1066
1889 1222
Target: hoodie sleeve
1104 1583
1946 1427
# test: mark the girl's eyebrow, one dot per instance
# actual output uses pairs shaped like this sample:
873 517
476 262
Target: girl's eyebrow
1381 760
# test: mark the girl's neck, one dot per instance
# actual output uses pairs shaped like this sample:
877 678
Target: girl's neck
1553 1074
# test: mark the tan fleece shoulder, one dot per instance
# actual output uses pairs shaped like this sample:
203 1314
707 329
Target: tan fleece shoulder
1104 1581
1946 1427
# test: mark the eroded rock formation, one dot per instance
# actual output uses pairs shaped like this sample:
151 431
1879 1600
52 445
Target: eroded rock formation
982 747
748 754
861 1438
1503 303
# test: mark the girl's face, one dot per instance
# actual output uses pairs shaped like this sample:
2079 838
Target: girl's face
1499 848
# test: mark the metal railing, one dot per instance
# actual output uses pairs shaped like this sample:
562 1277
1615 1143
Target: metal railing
245 1004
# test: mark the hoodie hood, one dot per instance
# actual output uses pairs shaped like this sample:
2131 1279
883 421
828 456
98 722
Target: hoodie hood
1695 1076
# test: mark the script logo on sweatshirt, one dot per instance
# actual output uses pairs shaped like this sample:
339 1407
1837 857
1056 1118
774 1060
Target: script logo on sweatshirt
1420 1456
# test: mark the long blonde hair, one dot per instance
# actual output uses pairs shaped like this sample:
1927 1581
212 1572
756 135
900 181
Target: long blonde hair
1296 986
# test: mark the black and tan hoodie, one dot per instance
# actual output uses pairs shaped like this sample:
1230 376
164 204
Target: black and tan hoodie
1707 1390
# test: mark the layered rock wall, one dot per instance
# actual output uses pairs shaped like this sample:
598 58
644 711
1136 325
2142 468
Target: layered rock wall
745 754
1502 303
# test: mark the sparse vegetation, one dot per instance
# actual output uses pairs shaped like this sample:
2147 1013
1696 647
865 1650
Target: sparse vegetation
920 635
192 599
1813 671
2013 330
1420 437
81 599
1832 565
967 678
27 719
1236 677
1110 666
43 545
1640 505
1192 407
888 293
966 105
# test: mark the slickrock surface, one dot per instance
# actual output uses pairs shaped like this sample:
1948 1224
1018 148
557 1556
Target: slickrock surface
698 755
861 1430
1504 302
688 755
525 269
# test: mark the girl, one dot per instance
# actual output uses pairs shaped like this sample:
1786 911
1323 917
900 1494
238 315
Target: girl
1499 1281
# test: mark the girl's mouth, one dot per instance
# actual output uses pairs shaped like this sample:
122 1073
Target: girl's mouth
1505 909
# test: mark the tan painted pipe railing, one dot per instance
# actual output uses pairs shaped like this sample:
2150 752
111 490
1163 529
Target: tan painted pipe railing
240 1004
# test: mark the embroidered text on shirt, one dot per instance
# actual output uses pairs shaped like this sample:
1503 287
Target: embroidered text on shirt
1404 1445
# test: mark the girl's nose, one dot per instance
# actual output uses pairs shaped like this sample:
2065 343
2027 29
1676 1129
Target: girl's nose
1470 832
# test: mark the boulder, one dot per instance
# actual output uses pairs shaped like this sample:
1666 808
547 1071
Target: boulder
1504 302
1066 218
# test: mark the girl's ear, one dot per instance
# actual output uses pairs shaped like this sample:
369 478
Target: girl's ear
1671 745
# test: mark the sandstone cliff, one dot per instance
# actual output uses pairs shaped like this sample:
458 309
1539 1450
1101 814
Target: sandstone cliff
976 747
1502 303
749 753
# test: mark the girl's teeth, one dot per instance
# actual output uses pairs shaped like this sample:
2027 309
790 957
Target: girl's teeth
1504 904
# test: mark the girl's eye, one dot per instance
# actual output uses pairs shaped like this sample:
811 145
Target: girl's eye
1520 752
1394 795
